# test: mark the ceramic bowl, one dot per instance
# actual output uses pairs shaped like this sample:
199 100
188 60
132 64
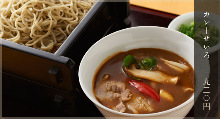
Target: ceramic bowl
133 38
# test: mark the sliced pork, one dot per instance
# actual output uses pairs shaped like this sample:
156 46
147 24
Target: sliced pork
139 104
114 91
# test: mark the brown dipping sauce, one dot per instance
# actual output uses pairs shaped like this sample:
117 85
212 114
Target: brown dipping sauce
113 72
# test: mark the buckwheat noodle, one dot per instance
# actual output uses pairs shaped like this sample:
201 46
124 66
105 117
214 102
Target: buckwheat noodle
42 24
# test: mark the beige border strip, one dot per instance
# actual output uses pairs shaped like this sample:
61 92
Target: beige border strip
171 6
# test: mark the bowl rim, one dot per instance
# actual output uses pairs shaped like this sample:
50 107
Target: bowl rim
95 101
182 17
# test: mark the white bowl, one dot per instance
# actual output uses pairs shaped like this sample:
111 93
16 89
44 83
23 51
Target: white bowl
132 38
189 17
182 19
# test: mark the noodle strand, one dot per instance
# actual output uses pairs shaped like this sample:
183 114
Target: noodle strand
42 24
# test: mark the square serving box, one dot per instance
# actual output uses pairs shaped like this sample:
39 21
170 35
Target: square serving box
58 69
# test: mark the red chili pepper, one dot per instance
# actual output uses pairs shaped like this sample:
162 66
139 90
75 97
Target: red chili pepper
145 89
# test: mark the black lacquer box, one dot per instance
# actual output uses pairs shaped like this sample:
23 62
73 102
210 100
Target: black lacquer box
39 76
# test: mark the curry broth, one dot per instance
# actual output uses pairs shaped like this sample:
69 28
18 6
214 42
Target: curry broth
113 67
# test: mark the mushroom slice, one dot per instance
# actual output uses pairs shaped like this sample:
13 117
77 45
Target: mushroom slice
166 95
188 89
175 65
175 68
105 77
156 76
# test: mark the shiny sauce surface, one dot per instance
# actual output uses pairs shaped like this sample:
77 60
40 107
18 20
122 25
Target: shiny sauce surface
113 67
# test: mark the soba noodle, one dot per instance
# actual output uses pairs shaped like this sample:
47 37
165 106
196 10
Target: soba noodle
42 24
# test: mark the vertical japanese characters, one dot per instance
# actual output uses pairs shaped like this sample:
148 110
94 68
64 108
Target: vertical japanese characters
206 37
206 85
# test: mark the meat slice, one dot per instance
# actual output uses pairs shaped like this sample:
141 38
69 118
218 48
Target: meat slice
110 90
139 104
120 107
126 95
114 92
130 107
114 86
